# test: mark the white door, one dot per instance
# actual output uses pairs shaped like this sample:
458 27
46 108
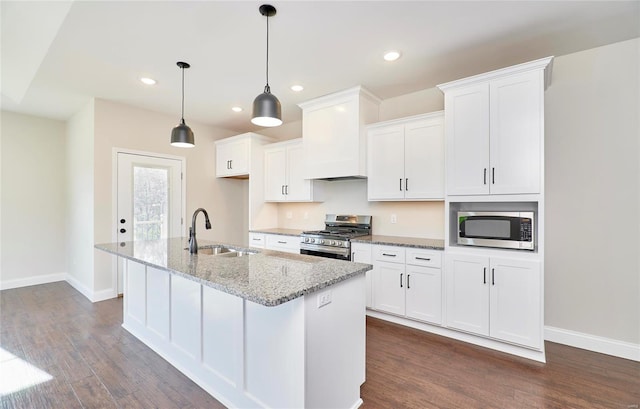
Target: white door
298 188
150 199
517 111
467 128
386 163
388 287
516 311
424 294
467 283
424 159
275 174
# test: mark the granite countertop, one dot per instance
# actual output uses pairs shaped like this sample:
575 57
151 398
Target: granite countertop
281 232
431 244
269 277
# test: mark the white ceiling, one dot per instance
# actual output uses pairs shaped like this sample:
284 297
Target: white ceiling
55 56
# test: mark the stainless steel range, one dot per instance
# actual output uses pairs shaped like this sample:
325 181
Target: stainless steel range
335 240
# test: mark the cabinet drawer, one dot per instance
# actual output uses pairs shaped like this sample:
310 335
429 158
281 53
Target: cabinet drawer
289 244
389 254
420 257
257 240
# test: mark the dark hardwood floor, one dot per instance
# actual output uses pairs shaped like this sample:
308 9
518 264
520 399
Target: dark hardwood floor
94 363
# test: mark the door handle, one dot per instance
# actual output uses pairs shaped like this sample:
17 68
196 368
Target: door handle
408 284
401 184
484 280
493 276
282 190
493 176
406 184
286 189
231 164
484 178
422 258
388 255
401 274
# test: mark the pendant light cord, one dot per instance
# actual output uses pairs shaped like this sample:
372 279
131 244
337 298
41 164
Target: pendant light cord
182 95
267 88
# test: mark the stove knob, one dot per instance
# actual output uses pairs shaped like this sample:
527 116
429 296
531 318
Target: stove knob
306 240
320 241
332 243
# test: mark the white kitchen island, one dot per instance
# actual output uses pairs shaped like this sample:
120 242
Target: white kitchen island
271 330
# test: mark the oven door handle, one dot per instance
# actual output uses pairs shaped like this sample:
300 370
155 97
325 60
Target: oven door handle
341 251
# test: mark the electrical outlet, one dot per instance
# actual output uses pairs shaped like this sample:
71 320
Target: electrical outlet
289 215
324 299
394 218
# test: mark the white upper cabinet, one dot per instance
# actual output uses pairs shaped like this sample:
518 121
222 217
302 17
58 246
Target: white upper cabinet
333 134
494 131
284 169
406 159
233 154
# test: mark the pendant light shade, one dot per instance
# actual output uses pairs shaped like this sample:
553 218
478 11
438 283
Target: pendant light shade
266 107
182 135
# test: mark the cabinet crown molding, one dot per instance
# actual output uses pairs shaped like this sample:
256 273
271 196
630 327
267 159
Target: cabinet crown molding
331 98
545 64
253 135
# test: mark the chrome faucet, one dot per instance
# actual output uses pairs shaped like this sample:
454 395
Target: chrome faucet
193 243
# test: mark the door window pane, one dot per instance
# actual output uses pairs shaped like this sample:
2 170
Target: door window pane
150 203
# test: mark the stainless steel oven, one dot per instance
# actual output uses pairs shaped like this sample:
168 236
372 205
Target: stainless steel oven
335 240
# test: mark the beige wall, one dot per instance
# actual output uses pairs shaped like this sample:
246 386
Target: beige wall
592 277
123 126
33 227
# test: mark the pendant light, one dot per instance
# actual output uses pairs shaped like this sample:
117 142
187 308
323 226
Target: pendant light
182 135
266 107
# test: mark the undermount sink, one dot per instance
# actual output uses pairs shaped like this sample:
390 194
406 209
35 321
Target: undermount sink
223 251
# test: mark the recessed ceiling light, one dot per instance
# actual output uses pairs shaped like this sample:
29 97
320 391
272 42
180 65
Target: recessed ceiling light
391 55
148 81
236 109
297 88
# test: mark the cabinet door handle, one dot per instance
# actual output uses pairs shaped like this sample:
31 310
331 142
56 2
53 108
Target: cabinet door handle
408 284
484 280
493 276
282 242
282 190
401 274
493 176
255 239
231 164
286 189
389 255
422 258
406 184
485 177
401 184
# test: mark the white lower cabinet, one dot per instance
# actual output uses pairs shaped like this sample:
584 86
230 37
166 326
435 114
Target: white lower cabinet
361 253
495 297
288 244
407 282
257 240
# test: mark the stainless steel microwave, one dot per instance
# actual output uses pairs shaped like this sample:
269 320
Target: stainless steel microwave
511 230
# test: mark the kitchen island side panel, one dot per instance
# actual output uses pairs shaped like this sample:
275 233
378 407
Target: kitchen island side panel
249 355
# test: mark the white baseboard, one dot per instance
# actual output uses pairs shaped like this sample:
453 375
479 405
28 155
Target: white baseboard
593 343
93 296
35 280
102 295
84 290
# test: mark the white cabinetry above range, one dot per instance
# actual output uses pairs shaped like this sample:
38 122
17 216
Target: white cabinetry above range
333 133
284 169
405 158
